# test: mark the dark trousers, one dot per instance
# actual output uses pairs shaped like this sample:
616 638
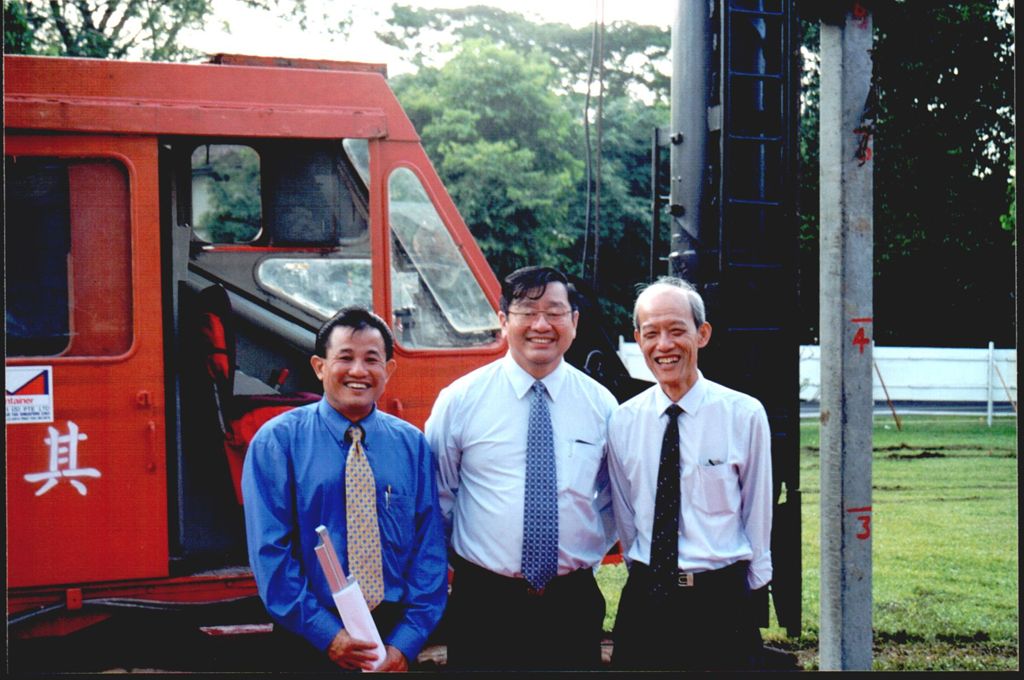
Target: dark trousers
497 623
706 626
294 653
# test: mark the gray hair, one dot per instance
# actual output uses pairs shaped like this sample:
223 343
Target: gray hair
665 283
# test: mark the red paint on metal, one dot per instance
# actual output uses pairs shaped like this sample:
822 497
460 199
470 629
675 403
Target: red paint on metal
113 540
199 99
228 584
66 624
115 526
422 373
239 629
291 62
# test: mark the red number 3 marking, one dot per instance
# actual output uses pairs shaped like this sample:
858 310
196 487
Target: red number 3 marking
865 521
865 524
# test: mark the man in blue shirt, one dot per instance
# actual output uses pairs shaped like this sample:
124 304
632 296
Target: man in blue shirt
294 480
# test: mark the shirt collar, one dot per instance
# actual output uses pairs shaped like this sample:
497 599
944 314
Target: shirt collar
523 381
338 424
690 402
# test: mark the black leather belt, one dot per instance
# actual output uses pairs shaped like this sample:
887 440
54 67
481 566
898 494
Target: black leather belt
696 579
474 571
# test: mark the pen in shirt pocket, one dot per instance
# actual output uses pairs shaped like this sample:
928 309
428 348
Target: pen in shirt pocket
572 449
712 461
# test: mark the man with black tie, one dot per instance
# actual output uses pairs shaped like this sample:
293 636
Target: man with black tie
690 466
523 484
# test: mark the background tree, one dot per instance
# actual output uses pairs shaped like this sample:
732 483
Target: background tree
943 136
118 29
500 139
636 57
944 263
550 182
500 100
20 26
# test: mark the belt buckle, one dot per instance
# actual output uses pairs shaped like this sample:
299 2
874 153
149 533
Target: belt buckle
685 580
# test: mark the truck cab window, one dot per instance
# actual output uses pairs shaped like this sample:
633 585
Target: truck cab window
358 151
67 257
226 193
322 285
286 221
435 298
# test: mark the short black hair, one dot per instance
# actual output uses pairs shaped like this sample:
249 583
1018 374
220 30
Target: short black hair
530 283
356 318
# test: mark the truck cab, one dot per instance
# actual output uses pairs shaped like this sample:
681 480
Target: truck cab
175 234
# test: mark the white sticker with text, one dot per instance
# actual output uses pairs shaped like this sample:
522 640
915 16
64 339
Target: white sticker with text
29 394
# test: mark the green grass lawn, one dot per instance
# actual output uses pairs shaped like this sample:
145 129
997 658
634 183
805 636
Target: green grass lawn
944 546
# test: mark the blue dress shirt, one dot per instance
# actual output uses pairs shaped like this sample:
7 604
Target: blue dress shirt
293 481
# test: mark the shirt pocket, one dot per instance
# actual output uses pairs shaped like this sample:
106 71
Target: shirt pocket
717 489
396 517
583 462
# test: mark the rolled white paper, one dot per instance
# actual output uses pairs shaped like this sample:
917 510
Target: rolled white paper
355 616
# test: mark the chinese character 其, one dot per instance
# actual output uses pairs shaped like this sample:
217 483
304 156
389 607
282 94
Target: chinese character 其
63 460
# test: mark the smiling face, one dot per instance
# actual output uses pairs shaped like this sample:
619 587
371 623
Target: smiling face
537 344
354 371
669 339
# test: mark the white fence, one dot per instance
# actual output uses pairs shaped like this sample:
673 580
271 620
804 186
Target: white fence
926 374
930 374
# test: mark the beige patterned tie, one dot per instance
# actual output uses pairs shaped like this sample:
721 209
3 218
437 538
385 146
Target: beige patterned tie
364 555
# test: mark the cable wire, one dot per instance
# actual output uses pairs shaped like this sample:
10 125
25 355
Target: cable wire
596 57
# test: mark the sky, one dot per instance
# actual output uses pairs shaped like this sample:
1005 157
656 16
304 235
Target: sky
260 33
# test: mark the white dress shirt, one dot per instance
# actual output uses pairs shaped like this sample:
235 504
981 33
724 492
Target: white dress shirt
478 429
726 477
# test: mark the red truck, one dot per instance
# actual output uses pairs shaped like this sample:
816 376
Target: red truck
175 234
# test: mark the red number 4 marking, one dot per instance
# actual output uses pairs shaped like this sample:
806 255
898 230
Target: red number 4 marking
860 13
860 339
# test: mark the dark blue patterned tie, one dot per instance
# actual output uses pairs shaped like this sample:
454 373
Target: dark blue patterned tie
540 504
665 532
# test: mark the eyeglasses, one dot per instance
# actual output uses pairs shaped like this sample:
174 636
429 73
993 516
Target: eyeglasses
553 317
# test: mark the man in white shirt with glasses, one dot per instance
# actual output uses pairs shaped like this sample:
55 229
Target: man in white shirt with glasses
691 473
523 485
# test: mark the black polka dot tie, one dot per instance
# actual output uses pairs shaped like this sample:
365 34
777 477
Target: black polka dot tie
665 532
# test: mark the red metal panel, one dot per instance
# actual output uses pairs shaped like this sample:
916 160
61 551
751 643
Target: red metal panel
421 374
112 526
199 99
199 588
293 62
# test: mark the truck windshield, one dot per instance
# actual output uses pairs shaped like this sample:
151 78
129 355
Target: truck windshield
436 299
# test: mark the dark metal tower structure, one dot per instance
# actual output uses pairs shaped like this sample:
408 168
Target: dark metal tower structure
734 227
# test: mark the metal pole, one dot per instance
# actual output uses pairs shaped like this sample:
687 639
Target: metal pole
655 204
991 363
691 54
846 330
